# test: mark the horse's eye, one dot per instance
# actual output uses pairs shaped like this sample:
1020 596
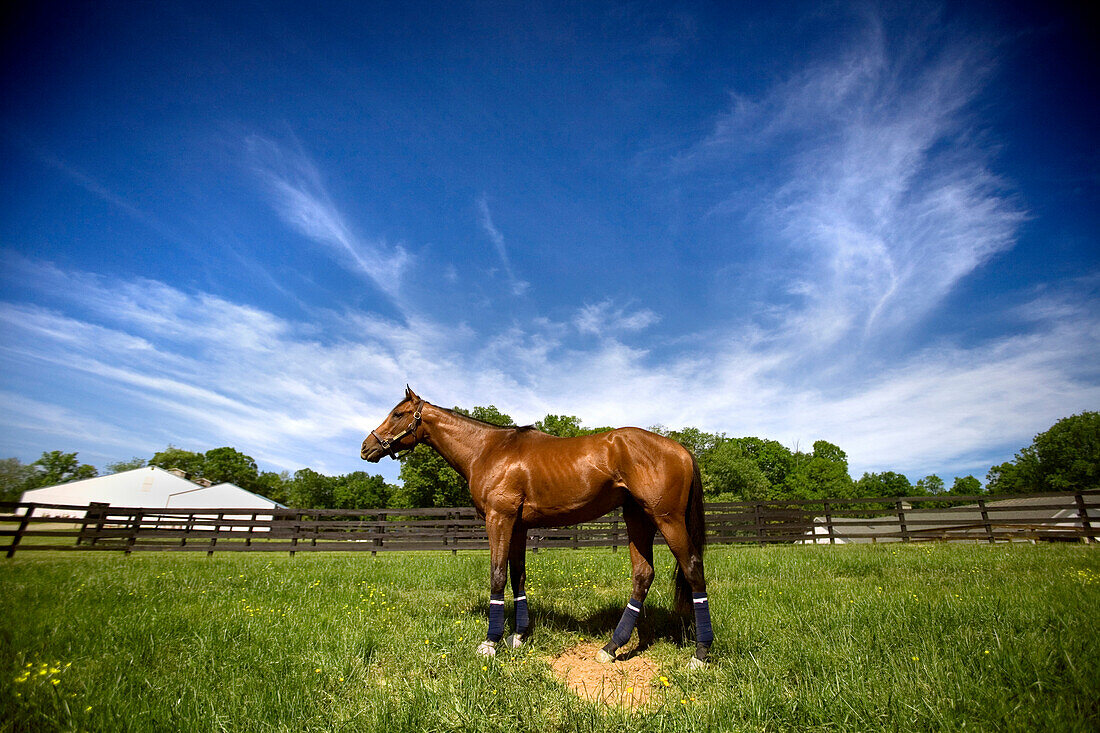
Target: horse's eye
398 415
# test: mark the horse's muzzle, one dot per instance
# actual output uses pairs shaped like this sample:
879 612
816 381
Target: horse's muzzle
371 451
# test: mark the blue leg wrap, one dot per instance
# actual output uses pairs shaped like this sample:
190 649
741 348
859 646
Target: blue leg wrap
626 623
522 619
704 634
496 617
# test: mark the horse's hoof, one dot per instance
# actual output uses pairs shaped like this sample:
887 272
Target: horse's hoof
603 657
701 658
515 641
487 648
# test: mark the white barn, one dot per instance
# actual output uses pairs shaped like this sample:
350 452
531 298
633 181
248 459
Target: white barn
149 487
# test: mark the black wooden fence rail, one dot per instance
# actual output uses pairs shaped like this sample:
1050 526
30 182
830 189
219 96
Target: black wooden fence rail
98 527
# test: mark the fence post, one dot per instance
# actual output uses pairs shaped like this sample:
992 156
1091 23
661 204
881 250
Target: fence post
100 521
901 521
615 534
135 527
452 529
986 522
294 532
758 514
251 526
19 532
829 524
95 513
214 539
188 529
1083 514
379 531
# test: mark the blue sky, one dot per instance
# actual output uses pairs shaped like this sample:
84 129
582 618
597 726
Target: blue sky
253 225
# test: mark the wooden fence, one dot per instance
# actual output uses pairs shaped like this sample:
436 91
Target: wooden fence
1050 517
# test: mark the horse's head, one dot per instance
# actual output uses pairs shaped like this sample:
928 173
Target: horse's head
397 432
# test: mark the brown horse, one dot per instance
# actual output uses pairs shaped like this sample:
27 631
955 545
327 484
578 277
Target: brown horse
522 478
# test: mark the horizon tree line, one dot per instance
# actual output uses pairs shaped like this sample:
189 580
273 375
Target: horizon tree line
1066 457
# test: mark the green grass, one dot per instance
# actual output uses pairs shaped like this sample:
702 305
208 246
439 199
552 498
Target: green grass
923 637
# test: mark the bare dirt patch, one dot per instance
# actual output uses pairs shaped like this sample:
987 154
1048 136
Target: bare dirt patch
625 682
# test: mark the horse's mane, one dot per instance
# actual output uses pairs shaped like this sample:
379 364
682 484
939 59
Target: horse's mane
516 428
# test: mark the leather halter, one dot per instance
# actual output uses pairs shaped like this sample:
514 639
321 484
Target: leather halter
387 449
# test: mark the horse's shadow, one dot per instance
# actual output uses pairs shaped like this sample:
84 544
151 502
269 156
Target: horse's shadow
654 624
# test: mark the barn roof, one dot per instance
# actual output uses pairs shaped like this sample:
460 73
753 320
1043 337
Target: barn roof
151 487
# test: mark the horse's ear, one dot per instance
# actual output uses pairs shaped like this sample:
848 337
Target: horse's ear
409 394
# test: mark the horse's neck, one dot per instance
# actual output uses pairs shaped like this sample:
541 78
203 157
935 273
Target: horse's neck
459 439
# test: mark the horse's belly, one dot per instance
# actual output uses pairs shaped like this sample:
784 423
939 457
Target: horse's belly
565 505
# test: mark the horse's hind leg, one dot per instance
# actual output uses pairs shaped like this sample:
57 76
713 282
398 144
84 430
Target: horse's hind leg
517 573
640 529
690 560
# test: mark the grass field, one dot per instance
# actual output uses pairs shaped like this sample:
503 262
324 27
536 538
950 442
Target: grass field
888 637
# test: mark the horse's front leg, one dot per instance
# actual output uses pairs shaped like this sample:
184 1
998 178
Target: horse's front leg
499 528
517 571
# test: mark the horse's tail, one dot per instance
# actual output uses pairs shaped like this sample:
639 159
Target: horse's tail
697 534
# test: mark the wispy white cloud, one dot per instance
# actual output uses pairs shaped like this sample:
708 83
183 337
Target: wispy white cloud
302 200
485 217
604 318
878 187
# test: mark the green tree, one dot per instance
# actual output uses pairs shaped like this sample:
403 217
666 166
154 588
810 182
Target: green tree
966 486
274 486
488 414
14 475
566 426
1018 476
931 485
311 490
184 460
130 465
822 474
1066 457
774 459
427 480
358 490
55 467
730 475
563 426
229 465
1069 453
695 440
887 484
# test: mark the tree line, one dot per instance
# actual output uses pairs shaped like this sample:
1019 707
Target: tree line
1066 457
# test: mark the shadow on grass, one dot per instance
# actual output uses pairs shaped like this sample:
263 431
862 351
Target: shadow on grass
654 624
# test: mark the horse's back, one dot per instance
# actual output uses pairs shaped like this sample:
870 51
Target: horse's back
566 480
619 449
